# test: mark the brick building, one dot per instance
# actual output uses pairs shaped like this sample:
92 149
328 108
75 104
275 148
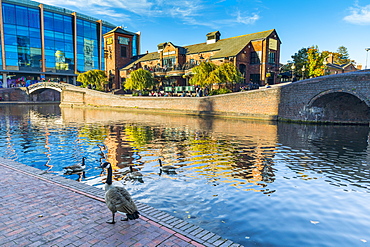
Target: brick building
256 56
332 68
121 46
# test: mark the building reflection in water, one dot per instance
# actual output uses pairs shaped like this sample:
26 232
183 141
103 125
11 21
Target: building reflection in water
235 152
262 177
240 153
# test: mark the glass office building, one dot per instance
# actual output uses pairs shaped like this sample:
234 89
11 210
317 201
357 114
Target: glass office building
43 42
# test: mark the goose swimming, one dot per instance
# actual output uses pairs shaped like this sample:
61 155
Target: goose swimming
134 175
117 198
166 168
76 167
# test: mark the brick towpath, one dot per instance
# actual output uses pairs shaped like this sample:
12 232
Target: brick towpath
41 209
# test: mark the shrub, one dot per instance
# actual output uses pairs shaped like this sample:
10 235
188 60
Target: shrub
220 91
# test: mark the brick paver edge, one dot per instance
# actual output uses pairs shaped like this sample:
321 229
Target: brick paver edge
147 212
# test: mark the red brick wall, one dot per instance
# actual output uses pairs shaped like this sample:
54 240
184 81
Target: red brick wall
259 104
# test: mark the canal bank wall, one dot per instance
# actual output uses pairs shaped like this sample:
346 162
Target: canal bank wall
260 104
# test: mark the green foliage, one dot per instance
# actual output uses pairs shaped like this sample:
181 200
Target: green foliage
208 73
220 91
342 56
228 73
202 74
95 78
315 62
143 93
300 59
312 60
139 80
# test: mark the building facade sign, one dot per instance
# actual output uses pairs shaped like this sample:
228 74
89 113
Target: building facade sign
273 44
169 53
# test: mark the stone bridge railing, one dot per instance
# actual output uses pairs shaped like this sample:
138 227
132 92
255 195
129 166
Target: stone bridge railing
43 85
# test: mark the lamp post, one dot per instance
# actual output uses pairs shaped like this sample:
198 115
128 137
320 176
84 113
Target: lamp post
293 68
325 63
303 70
366 49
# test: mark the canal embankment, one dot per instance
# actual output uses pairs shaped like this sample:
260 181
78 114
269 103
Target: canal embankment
256 104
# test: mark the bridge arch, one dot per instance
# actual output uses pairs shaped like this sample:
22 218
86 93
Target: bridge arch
46 85
46 91
340 105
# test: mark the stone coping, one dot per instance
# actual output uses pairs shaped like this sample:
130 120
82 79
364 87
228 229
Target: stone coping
160 218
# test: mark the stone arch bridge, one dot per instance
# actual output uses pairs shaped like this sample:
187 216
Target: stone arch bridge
342 98
46 91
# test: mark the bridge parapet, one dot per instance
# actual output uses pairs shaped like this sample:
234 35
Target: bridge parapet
43 85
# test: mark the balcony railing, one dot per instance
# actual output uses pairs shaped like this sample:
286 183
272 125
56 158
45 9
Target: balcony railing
165 69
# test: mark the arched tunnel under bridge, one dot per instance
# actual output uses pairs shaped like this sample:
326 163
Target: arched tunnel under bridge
45 94
340 107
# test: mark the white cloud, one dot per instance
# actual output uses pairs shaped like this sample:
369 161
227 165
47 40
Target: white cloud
359 15
191 12
247 19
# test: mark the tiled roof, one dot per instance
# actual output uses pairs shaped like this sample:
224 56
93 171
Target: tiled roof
226 47
339 66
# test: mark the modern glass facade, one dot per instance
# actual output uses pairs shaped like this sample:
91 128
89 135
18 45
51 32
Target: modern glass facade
58 33
40 41
22 38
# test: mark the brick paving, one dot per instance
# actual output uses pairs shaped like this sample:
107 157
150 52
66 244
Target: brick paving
41 209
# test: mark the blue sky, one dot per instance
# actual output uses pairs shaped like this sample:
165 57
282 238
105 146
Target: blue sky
325 23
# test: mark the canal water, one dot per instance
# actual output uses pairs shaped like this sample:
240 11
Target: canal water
255 183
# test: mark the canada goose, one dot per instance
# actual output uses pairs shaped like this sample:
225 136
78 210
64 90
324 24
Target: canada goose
117 198
75 168
134 175
166 168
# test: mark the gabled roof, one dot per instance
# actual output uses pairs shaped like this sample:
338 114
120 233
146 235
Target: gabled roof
340 66
334 66
119 30
226 47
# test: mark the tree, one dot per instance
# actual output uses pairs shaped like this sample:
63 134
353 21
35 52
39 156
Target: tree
139 80
93 78
208 73
342 56
315 62
202 74
300 59
226 73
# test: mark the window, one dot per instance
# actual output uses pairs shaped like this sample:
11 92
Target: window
255 58
271 59
22 15
123 51
9 13
134 48
34 18
48 21
10 29
255 78
169 62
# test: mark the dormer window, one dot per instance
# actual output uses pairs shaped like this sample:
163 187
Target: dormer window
213 37
161 46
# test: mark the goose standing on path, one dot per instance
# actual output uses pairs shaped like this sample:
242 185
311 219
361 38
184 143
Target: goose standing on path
117 198
166 168
76 167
